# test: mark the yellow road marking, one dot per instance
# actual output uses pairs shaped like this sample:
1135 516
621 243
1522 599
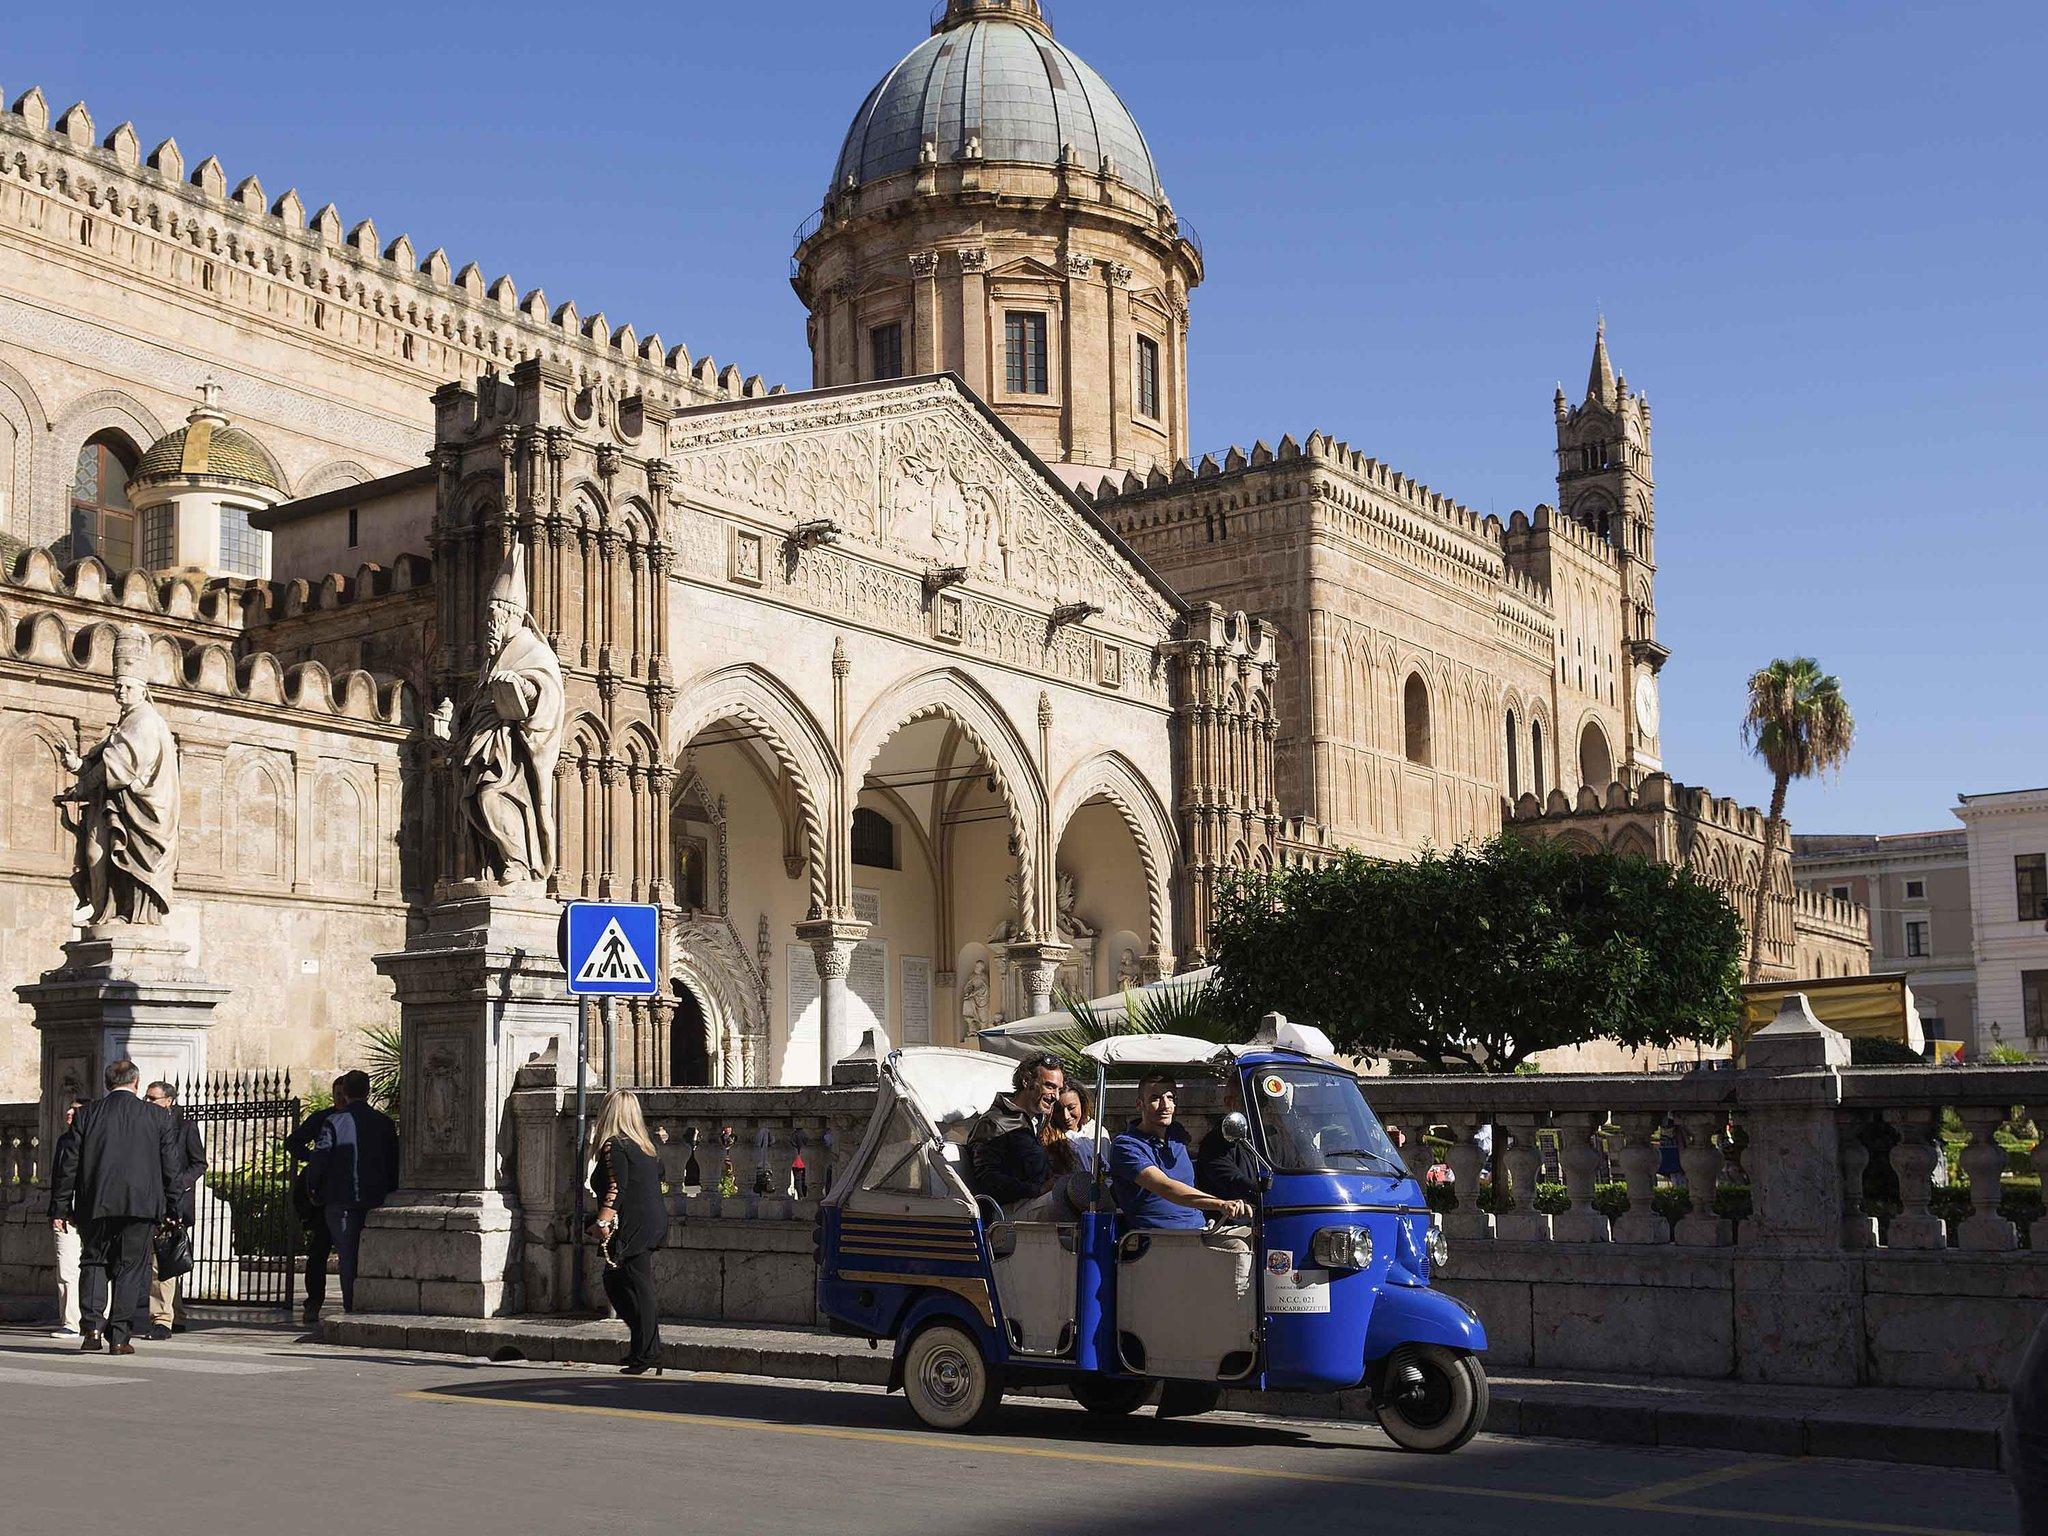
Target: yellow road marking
1659 1493
982 1446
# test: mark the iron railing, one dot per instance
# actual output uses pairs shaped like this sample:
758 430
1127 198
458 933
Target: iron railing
245 1237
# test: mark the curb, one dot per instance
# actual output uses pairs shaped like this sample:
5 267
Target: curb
1536 1412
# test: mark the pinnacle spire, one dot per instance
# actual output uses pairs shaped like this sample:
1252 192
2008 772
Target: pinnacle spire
959 12
1600 383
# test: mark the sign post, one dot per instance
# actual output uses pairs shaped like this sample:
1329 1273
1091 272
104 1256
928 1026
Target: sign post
609 950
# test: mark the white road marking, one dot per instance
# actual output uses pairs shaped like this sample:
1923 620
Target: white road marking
58 1377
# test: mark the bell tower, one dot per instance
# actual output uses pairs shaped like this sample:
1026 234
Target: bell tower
1605 484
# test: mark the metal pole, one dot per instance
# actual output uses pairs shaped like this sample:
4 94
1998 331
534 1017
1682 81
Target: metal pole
611 1043
582 1135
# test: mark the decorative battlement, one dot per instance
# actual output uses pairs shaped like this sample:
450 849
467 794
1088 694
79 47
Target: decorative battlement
1521 527
54 637
1657 791
1820 909
1220 632
416 299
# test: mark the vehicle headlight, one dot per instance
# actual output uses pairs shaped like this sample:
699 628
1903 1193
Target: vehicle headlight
1342 1248
1438 1246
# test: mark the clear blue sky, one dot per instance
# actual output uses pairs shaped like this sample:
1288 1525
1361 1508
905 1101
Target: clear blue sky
1818 233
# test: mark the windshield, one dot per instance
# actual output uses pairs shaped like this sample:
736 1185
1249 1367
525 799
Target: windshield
1315 1120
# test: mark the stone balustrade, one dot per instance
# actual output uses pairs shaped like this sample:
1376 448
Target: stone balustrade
1807 1223
22 1175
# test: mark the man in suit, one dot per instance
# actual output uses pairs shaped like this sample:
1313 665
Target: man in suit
118 1190
69 1243
312 1219
353 1169
166 1308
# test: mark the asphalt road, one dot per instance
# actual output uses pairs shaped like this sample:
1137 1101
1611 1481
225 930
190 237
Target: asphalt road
242 1430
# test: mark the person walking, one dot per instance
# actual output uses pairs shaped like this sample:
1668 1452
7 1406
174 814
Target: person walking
69 1245
312 1220
2026 1435
352 1172
166 1307
119 1188
631 1222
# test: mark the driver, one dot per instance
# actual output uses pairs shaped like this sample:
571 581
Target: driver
1151 1174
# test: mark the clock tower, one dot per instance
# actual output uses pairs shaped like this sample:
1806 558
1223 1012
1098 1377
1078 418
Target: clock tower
1605 484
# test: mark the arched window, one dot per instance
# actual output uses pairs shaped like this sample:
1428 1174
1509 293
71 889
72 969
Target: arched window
102 522
1514 767
874 839
1536 758
1415 714
1596 763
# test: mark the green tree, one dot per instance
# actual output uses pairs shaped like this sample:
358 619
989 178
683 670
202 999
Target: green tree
1800 725
1476 959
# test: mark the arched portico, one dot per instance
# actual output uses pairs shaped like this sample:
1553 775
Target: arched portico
1108 819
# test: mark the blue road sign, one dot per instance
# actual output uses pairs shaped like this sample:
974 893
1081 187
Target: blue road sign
610 949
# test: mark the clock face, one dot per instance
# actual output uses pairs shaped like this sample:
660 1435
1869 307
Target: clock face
1646 701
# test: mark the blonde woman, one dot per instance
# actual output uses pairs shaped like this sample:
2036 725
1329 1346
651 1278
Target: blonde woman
631 1222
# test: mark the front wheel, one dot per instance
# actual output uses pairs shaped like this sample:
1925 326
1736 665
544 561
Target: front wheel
949 1383
1434 1398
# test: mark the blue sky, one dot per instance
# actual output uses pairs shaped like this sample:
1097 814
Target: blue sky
1817 231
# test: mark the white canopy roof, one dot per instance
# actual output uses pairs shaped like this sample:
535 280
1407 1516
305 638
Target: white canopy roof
952 1085
1155 1051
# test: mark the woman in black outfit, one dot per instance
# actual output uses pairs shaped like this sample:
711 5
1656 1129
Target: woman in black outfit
631 1222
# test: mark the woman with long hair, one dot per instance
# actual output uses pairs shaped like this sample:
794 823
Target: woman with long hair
631 1222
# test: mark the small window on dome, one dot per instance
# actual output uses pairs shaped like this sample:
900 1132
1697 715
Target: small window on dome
241 547
885 351
1148 378
1026 371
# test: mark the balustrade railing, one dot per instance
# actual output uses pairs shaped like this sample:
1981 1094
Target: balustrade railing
22 1175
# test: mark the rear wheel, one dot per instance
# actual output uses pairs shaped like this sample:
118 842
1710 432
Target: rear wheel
1434 1398
1110 1397
948 1382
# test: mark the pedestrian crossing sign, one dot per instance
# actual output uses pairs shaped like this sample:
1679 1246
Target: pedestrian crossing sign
610 949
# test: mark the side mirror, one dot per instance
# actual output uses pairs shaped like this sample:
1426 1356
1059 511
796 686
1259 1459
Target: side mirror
1236 1129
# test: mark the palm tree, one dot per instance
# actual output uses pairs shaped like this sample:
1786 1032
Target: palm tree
1174 1010
1800 725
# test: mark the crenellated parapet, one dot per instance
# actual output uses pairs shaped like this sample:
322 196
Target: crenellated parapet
265 257
1721 841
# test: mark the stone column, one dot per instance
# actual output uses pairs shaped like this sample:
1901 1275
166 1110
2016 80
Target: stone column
480 992
1798 1302
1039 965
924 312
833 941
124 990
974 323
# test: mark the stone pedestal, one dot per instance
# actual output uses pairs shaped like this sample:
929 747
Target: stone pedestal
480 992
1798 1297
124 990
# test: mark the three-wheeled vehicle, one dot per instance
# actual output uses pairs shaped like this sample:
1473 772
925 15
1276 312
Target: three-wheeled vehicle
1342 1249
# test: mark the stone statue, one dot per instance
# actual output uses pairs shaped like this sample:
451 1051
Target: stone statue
1127 977
974 999
126 796
508 737
1073 928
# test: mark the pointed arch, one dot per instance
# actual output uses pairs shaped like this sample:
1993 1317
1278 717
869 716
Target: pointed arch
1113 777
953 694
746 693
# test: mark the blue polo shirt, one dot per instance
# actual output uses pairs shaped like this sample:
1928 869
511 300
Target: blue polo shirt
1134 1151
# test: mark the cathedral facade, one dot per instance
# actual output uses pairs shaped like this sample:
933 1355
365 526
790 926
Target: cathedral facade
911 697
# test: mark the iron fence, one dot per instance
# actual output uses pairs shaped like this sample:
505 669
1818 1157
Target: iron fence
245 1237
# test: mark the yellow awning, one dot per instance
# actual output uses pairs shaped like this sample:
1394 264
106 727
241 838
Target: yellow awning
1861 1007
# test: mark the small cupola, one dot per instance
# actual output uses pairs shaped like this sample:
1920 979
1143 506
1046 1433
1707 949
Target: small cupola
193 493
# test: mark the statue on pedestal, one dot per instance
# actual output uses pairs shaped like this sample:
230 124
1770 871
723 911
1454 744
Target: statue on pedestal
974 1000
126 801
508 738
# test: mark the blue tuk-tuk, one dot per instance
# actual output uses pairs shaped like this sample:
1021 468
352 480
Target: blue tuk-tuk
1342 1249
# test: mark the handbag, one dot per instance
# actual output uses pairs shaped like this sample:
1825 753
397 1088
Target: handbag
173 1250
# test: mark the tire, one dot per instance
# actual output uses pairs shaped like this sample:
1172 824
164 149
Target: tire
1109 1397
949 1383
1450 1408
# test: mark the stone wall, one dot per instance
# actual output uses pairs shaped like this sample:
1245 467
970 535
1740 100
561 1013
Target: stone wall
127 277
293 864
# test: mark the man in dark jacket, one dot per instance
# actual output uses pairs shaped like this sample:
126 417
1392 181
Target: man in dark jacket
2026 1435
118 1190
1006 1158
312 1220
166 1307
353 1171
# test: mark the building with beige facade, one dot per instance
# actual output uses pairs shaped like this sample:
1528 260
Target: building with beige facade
909 697
2008 839
1916 888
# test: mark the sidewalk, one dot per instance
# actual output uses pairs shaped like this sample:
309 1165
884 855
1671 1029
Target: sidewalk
1943 1429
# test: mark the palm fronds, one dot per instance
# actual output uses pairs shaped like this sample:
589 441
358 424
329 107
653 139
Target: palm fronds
1194 1010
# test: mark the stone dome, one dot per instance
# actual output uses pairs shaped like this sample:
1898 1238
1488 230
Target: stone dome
207 448
992 71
